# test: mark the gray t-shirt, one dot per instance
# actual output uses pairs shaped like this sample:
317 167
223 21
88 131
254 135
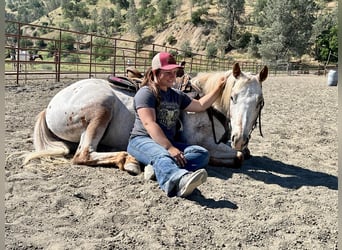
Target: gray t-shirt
172 102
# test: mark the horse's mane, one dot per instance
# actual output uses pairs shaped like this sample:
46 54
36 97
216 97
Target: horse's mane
206 81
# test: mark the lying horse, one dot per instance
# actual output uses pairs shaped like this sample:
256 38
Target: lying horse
93 112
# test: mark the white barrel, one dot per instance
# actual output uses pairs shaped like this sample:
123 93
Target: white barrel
332 77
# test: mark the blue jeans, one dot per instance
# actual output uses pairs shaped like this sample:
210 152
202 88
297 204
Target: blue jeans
167 172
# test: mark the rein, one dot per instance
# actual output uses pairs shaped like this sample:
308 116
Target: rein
225 121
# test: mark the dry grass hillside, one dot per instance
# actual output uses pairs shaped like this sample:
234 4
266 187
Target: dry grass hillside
180 27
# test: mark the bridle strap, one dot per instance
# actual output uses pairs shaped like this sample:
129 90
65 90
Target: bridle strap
257 120
223 120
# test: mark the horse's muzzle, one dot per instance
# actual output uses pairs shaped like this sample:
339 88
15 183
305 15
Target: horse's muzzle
239 142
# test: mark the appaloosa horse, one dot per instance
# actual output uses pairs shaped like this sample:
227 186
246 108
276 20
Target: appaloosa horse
93 112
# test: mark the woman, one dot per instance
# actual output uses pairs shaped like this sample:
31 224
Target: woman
179 168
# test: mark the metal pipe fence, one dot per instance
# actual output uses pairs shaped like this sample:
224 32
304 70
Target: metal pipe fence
70 54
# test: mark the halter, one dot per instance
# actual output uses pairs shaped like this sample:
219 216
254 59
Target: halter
224 119
257 122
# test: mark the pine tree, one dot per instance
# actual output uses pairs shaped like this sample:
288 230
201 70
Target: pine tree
230 12
286 28
133 20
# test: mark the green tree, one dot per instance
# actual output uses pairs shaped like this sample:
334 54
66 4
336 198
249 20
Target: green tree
324 36
230 13
253 50
259 14
211 50
133 20
79 26
327 45
123 4
102 49
74 9
286 29
68 42
106 20
186 49
196 15
118 19
144 10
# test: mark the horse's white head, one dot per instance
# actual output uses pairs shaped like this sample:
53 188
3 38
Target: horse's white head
241 101
246 102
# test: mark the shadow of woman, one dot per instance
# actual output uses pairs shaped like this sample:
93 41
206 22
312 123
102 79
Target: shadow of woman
210 203
269 171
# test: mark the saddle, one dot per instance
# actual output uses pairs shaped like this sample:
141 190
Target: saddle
134 73
125 83
131 82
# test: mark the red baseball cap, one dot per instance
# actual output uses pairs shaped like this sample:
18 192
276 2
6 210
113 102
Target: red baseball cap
165 61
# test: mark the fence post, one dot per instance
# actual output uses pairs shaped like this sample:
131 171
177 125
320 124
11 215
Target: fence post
91 55
56 55
114 60
18 53
59 50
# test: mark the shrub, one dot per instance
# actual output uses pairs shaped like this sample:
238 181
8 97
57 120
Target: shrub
171 40
73 58
211 50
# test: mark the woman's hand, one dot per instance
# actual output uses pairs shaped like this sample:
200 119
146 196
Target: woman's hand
177 155
222 82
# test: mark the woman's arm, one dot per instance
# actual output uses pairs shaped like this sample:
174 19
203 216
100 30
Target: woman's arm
206 101
148 119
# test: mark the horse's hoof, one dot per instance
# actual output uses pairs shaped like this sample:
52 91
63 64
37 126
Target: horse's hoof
246 154
149 173
132 168
238 160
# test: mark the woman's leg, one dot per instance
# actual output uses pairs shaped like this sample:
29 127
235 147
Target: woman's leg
196 156
167 172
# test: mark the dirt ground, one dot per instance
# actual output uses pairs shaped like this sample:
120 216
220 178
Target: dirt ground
284 197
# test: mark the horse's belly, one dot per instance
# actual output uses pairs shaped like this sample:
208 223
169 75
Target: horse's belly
199 130
70 111
119 129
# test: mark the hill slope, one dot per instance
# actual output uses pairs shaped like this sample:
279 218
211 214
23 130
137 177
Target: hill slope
180 28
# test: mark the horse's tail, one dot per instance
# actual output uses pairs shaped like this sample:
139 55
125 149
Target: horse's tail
45 142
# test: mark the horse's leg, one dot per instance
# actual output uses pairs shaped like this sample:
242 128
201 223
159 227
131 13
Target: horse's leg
86 152
225 156
234 162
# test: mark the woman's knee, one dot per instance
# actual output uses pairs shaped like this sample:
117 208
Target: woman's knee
195 149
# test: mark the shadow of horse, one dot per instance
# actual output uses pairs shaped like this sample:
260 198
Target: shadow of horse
269 171
262 168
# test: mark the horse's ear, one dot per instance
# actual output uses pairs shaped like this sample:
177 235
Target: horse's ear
263 74
236 70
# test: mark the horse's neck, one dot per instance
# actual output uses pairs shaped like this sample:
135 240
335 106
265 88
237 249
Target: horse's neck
222 103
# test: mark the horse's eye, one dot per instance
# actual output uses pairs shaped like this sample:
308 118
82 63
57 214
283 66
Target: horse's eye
233 98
